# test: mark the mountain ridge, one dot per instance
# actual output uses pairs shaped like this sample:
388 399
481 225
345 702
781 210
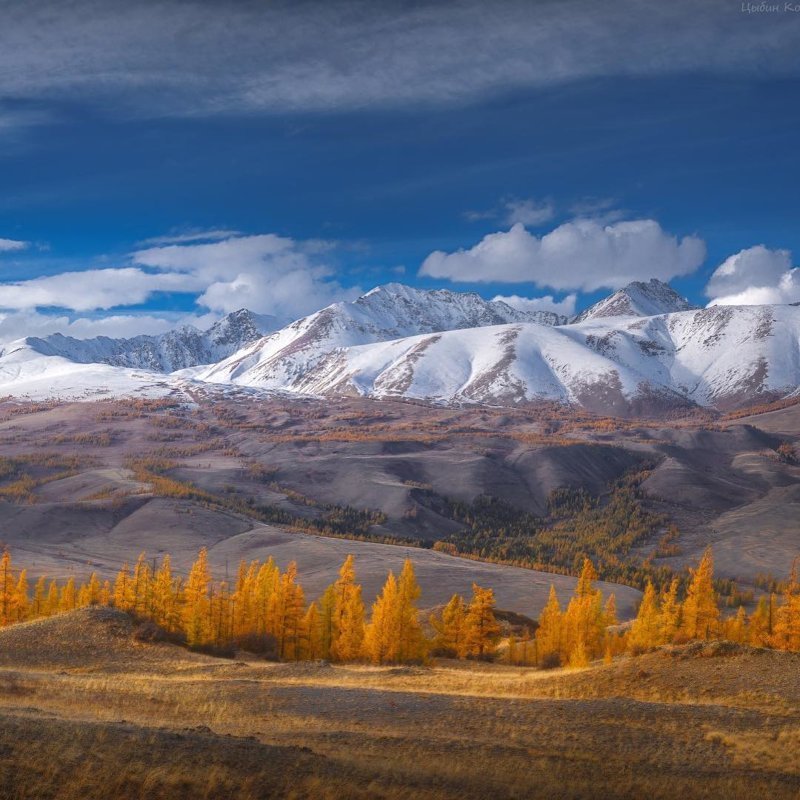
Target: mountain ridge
451 347
387 312
179 348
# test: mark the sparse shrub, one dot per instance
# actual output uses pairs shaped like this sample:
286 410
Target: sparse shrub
263 644
550 661
148 631
786 453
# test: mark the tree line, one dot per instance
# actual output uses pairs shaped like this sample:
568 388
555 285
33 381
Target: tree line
264 610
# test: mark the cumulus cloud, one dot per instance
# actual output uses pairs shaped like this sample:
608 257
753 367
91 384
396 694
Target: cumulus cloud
11 245
582 254
172 57
267 273
755 276
92 289
566 306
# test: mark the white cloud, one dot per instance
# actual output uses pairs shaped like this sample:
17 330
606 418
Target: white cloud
603 210
187 237
19 324
545 303
529 212
473 215
582 254
514 210
755 276
11 245
266 273
92 289
171 57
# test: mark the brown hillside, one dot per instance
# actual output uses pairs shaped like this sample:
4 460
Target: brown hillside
89 637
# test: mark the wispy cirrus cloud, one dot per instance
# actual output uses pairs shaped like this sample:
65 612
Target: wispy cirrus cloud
12 245
189 237
512 210
172 57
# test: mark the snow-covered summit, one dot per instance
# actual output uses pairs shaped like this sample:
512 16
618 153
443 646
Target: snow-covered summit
183 347
442 309
638 299
721 357
391 311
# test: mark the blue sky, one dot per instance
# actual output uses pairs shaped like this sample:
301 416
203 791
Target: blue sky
174 161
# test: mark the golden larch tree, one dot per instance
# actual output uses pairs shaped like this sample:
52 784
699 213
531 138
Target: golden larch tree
348 615
165 600
735 628
52 599
670 612
647 628
450 627
787 616
197 605
700 609
327 627
411 644
142 587
7 589
382 634
68 599
583 625
548 634
39 608
482 628
311 646
123 589
21 608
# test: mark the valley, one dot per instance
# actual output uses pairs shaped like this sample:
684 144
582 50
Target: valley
87 486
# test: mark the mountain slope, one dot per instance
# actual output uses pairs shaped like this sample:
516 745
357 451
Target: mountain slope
721 357
176 349
393 311
638 299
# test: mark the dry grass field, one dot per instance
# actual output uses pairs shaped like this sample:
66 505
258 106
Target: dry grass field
88 711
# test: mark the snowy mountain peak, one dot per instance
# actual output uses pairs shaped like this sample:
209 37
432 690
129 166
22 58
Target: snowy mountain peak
182 347
387 312
442 309
240 328
638 299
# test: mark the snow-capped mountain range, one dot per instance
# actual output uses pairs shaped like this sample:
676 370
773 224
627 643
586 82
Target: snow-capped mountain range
183 347
643 348
285 359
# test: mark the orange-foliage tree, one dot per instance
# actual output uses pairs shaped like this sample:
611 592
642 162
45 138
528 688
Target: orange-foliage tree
265 611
